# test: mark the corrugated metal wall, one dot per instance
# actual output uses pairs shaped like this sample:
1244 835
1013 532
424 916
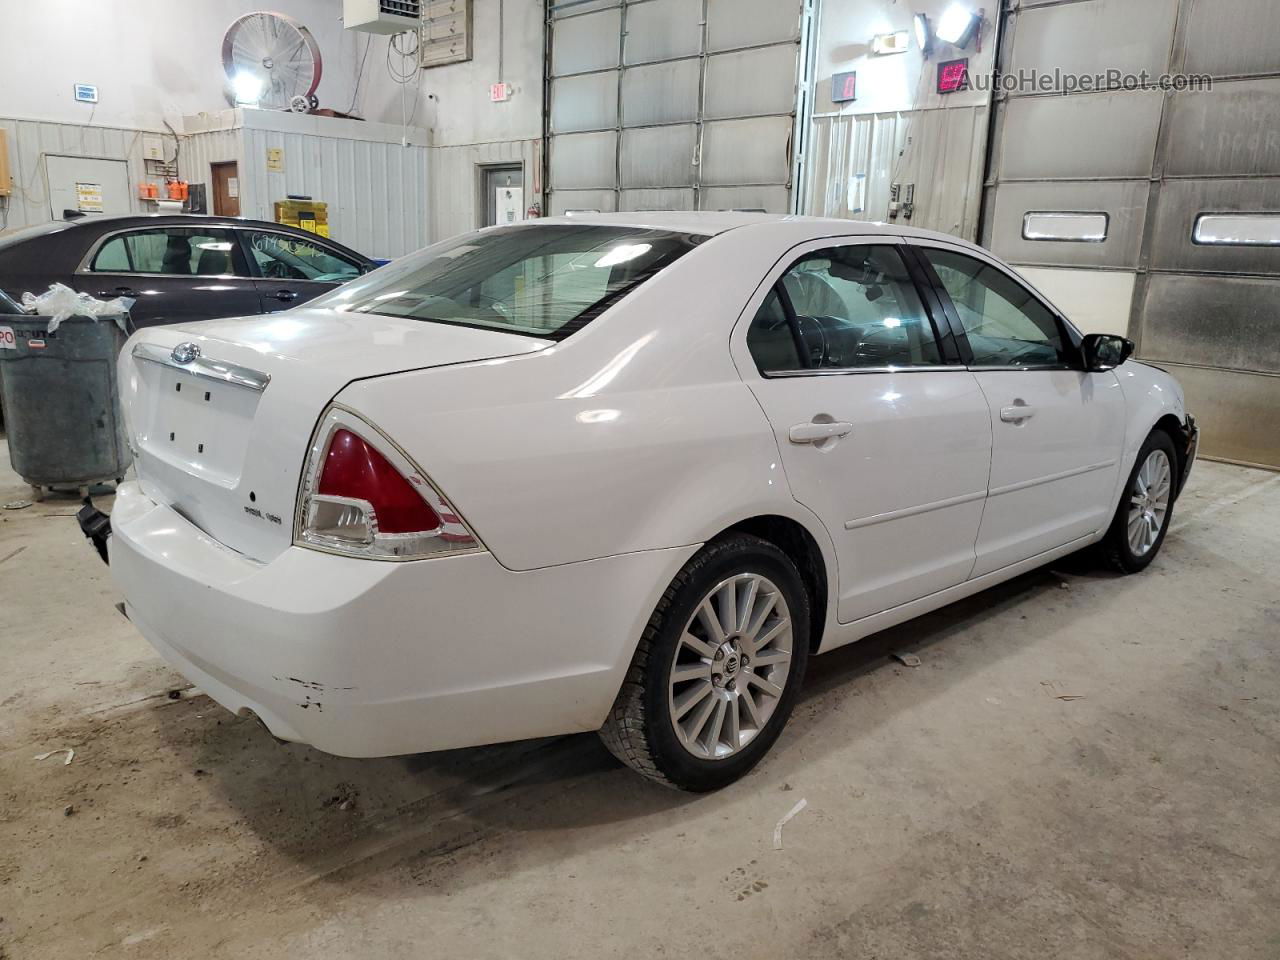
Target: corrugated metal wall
1154 161
672 104
376 189
30 142
455 186
946 164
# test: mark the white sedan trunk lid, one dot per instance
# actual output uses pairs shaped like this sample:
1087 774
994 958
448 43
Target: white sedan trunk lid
223 437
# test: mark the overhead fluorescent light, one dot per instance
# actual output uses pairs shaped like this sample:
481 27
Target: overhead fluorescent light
958 25
885 43
924 34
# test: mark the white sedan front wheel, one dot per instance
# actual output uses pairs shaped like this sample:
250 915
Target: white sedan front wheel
1142 518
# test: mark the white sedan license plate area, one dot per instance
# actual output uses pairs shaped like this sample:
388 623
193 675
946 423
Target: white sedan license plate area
195 423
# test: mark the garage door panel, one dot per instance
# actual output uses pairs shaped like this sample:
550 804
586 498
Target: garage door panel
584 160
1233 37
663 30
1236 412
1042 136
751 82
1095 36
1233 129
659 156
1124 203
586 43
661 93
1183 201
658 199
587 102
744 23
769 199
600 201
746 151
1215 321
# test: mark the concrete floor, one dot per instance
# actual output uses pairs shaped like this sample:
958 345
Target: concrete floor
1083 766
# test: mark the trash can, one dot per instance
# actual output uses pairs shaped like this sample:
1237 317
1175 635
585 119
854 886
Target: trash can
61 406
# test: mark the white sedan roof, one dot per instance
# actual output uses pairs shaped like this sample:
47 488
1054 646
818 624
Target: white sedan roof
710 222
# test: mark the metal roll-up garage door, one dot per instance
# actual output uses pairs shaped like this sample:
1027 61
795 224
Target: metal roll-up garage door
1181 180
671 104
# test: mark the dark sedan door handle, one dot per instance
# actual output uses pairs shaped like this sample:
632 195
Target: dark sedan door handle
285 295
119 292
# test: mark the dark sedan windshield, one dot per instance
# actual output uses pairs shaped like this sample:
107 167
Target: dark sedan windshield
543 281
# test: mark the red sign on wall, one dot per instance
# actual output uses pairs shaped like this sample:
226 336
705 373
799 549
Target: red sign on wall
844 87
953 75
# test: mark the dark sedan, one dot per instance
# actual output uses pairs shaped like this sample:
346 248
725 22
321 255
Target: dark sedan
178 268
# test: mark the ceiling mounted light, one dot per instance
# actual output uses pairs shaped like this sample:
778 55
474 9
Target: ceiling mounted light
924 34
958 25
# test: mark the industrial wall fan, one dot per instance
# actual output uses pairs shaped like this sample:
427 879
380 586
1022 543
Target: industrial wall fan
272 61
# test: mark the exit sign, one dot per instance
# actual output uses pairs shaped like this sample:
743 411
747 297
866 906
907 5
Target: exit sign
499 92
844 87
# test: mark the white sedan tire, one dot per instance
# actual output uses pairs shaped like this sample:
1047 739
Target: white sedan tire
718 669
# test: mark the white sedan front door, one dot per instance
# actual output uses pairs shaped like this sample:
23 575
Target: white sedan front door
1057 431
879 436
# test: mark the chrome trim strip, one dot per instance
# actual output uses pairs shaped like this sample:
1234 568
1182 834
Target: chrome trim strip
204 367
1065 474
1001 368
843 371
913 511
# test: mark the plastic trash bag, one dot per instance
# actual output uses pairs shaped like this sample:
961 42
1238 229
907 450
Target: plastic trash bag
60 302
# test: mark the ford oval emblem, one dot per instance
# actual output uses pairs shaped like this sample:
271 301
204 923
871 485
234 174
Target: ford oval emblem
185 352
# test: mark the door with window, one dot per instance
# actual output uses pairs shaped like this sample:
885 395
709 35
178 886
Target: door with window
1057 431
175 274
290 270
881 438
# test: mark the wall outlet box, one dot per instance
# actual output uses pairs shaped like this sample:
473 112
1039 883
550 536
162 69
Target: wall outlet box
499 92
152 148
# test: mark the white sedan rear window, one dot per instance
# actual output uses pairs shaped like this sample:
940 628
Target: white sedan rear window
544 281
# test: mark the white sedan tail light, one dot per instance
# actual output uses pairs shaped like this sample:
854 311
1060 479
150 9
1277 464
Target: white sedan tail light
362 496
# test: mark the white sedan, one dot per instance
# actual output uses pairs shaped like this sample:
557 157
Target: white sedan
621 473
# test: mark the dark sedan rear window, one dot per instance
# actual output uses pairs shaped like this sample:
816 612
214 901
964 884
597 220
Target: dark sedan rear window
542 281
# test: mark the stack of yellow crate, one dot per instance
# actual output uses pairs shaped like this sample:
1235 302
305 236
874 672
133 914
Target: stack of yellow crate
312 215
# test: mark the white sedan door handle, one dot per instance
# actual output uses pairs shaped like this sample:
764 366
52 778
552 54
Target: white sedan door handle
1018 412
816 432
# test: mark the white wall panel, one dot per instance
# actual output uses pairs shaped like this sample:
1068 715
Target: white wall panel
586 42
455 182
737 152
743 23
1096 301
375 187
659 93
659 156
585 102
30 142
663 30
751 83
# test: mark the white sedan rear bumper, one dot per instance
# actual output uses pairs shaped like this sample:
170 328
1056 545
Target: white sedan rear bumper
363 658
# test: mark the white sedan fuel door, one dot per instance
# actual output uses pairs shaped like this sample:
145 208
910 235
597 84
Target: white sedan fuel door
886 444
